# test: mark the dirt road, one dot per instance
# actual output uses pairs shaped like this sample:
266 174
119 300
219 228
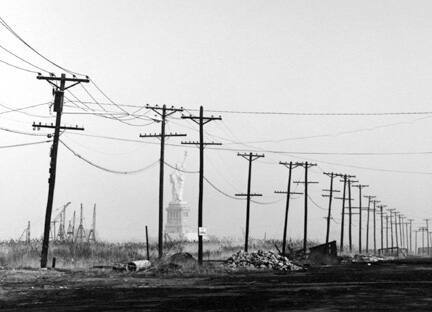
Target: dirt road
386 287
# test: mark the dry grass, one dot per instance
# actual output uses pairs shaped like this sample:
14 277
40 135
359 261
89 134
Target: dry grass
14 254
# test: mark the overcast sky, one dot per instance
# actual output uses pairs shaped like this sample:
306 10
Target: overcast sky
277 56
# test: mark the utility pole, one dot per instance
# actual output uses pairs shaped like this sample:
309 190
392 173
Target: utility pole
332 175
288 193
410 235
360 208
374 223
396 231
306 165
406 236
201 121
423 229
369 197
163 112
343 198
427 236
58 109
415 241
387 228
250 157
382 225
401 232
350 213
391 225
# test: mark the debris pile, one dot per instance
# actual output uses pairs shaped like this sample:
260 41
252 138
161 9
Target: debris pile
261 260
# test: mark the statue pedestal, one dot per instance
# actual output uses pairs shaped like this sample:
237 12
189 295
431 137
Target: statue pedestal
178 224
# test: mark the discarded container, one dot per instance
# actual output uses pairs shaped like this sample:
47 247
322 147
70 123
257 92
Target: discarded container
138 265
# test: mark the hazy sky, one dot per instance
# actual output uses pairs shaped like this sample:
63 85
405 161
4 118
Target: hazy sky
281 56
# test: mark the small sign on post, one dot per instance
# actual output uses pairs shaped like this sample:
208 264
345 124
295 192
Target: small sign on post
202 231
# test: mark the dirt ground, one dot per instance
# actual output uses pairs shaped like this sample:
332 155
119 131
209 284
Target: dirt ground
359 287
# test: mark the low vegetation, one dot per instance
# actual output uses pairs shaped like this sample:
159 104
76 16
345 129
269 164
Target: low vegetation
18 254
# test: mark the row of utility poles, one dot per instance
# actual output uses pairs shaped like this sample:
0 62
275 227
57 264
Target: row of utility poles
59 84
164 112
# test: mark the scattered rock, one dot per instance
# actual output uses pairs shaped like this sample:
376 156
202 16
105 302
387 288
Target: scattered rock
261 260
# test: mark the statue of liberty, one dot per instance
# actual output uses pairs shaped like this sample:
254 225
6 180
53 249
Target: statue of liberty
177 181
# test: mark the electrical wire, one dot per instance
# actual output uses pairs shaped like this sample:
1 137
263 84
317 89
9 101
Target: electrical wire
22 59
315 204
24 144
368 168
222 149
21 132
276 113
20 110
238 198
110 116
124 172
7 27
181 170
18 67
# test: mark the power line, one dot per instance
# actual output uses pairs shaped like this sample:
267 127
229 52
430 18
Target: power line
20 68
368 168
107 169
21 132
24 144
278 113
22 59
21 109
230 150
106 115
5 25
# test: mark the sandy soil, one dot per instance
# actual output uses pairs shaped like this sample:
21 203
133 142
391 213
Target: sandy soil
385 287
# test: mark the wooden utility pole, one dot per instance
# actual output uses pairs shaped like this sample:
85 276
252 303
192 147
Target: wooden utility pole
374 223
401 232
306 166
288 193
201 121
406 236
350 213
396 230
343 198
360 208
410 234
250 157
331 190
423 229
391 226
381 213
58 109
427 236
147 243
387 228
369 197
163 112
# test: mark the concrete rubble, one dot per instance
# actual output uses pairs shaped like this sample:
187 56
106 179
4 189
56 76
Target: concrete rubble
261 260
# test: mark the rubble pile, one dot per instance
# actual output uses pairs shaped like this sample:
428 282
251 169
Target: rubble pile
261 260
